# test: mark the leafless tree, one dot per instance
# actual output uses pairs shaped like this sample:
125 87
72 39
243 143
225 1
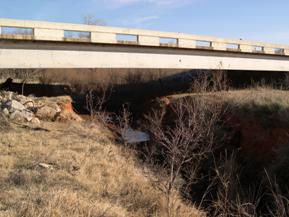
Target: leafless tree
185 141
95 100
210 81
92 20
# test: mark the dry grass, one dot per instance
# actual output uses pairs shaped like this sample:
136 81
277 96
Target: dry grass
90 175
265 103
4 123
264 95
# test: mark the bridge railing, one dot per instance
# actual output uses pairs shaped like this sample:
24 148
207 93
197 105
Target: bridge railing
48 31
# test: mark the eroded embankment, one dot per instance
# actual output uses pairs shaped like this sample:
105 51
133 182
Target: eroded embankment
247 135
258 119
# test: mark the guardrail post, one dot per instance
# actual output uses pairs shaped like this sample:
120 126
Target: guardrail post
219 45
102 37
269 50
246 48
48 34
187 43
286 52
148 40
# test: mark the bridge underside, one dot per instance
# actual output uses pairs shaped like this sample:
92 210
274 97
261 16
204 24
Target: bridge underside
40 54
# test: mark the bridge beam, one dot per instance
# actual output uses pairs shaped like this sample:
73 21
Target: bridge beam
40 54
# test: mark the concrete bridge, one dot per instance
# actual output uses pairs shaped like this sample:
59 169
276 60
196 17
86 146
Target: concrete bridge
33 44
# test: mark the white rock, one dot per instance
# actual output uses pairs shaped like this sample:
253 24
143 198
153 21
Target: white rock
29 104
22 115
47 112
13 105
5 112
17 116
10 95
46 166
20 98
35 121
55 106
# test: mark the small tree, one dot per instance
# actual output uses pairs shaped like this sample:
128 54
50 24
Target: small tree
92 20
95 100
184 141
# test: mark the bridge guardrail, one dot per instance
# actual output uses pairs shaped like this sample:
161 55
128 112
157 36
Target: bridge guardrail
48 31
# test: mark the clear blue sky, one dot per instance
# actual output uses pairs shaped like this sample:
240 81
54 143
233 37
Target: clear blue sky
265 20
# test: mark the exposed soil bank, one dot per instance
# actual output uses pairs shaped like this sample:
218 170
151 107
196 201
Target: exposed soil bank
258 141
256 120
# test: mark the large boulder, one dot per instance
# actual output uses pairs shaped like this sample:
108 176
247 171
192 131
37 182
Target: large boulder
20 98
48 112
23 115
65 116
35 121
28 102
13 105
6 112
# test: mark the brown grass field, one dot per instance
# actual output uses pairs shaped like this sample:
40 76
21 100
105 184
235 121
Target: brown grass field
90 176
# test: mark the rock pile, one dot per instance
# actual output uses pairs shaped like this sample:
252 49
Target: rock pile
32 109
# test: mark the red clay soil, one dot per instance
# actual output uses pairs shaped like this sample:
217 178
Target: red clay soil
258 141
67 112
67 107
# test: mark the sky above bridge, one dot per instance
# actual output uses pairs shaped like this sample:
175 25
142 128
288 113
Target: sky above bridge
264 20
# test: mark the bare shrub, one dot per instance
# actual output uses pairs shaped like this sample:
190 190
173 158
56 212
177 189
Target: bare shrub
220 80
124 121
280 165
285 82
278 185
210 81
201 83
95 100
231 199
4 123
279 202
183 140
